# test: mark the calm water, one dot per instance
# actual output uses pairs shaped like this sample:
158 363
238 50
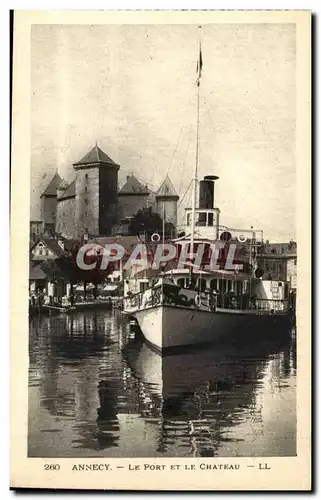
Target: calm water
96 391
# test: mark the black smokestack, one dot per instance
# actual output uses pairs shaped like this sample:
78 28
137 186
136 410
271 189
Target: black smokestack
206 196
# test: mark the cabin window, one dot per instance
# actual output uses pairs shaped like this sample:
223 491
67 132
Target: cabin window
229 285
295 262
188 220
201 219
143 286
280 268
267 266
210 219
223 286
202 284
214 284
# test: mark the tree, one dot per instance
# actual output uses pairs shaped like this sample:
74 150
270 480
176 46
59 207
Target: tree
96 276
65 268
145 220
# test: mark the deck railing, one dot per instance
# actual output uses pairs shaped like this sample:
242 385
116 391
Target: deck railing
207 300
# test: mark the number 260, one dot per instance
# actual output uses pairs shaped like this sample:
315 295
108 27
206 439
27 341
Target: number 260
51 466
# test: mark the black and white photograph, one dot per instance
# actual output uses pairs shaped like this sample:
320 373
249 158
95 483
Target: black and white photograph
163 282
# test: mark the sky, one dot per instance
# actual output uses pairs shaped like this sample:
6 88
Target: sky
132 89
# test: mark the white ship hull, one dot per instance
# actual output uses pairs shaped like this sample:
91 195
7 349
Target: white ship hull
170 316
167 327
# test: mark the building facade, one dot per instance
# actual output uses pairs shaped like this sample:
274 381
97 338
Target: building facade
48 201
278 261
66 209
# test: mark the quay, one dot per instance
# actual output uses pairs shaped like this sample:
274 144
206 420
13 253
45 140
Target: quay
68 308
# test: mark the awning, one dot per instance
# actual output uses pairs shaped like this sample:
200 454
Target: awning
110 287
80 288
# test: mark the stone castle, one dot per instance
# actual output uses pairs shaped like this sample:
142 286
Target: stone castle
92 204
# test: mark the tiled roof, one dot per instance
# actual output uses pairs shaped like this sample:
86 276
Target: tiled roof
53 246
133 186
96 155
126 242
70 192
51 189
36 273
166 188
71 244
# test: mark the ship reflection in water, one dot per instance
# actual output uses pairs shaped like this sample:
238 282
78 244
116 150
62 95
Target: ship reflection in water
96 391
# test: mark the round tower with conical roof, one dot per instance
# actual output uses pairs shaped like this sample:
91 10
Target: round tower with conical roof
166 202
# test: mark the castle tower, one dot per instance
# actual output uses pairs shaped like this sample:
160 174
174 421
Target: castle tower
96 194
166 202
132 197
49 204
66 208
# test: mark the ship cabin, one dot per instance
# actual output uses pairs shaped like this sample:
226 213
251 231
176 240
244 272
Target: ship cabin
224 284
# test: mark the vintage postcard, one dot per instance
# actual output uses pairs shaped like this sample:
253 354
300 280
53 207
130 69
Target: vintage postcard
160 250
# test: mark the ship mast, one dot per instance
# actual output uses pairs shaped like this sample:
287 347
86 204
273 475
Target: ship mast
195 179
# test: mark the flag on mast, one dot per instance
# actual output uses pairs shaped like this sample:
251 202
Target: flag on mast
199 66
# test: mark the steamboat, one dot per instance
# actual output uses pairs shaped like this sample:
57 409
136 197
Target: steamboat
198 304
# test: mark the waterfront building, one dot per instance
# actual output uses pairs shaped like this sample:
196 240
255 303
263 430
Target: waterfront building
46 249
37 278
279 262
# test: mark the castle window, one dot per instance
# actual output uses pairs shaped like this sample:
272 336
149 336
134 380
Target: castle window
86 177
86 201
86 213
86 189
